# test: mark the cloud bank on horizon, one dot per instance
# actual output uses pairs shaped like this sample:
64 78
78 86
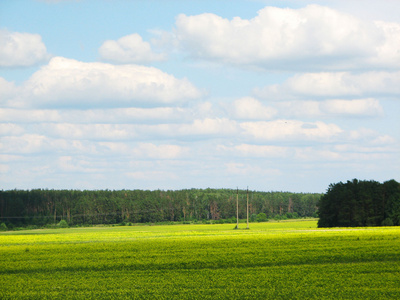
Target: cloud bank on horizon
267 96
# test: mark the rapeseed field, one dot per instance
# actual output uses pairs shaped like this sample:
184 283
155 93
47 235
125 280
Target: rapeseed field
273 260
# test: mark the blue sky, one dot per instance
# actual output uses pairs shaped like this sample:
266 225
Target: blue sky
274 95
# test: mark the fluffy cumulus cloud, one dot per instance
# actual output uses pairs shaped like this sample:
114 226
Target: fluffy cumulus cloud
283 38
71 83
7 90
359 107
333 85
251 109
21 49
129 49
387 53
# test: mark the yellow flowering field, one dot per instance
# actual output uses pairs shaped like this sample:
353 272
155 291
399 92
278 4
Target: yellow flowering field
273 260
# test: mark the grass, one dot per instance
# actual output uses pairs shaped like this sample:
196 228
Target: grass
283 260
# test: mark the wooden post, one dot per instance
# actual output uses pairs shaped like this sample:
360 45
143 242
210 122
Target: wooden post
248 208
237 208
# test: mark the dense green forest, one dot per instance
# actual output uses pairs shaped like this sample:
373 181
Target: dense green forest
41 207
360 203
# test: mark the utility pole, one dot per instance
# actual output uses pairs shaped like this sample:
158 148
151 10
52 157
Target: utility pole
248 208
237 208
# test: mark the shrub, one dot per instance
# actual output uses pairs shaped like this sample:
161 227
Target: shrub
3 227
63 224
232 220
289 215
261 217
253 218
387 222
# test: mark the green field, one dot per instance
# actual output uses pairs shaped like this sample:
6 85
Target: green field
284 260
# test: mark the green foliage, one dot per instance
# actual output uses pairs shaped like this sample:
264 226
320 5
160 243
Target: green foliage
63 224
294 215
253 218
261 217
278 217
296 260
387 222
41 208
3 227
360 203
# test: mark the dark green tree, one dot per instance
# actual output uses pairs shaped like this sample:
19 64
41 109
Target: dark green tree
360 203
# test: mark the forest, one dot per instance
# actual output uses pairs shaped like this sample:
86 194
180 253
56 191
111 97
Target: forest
41 207
360 203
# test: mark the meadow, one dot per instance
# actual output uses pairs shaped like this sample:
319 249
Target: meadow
273 260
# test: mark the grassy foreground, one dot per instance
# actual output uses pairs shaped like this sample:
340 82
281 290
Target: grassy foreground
284 260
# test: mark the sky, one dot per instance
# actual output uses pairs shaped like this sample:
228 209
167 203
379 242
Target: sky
172 94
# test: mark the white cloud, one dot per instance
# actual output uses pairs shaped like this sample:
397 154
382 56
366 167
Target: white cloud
291 130
388 53
250 170
334 84
345 153
129 49
7 90
21 49
277 38
379 144
152 175
30 115
145 150
129 115
81 136
10 129
384 140
208 126
88 131
27 143
158 152
9 158
198 128
70 83
359 107
368 107
255 151
39 144
299 109
365 135
4 168
76 165
250 109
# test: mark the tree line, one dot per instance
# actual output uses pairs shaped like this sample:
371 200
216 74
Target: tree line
40 207
360 203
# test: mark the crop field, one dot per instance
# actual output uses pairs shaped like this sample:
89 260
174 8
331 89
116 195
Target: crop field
281 260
